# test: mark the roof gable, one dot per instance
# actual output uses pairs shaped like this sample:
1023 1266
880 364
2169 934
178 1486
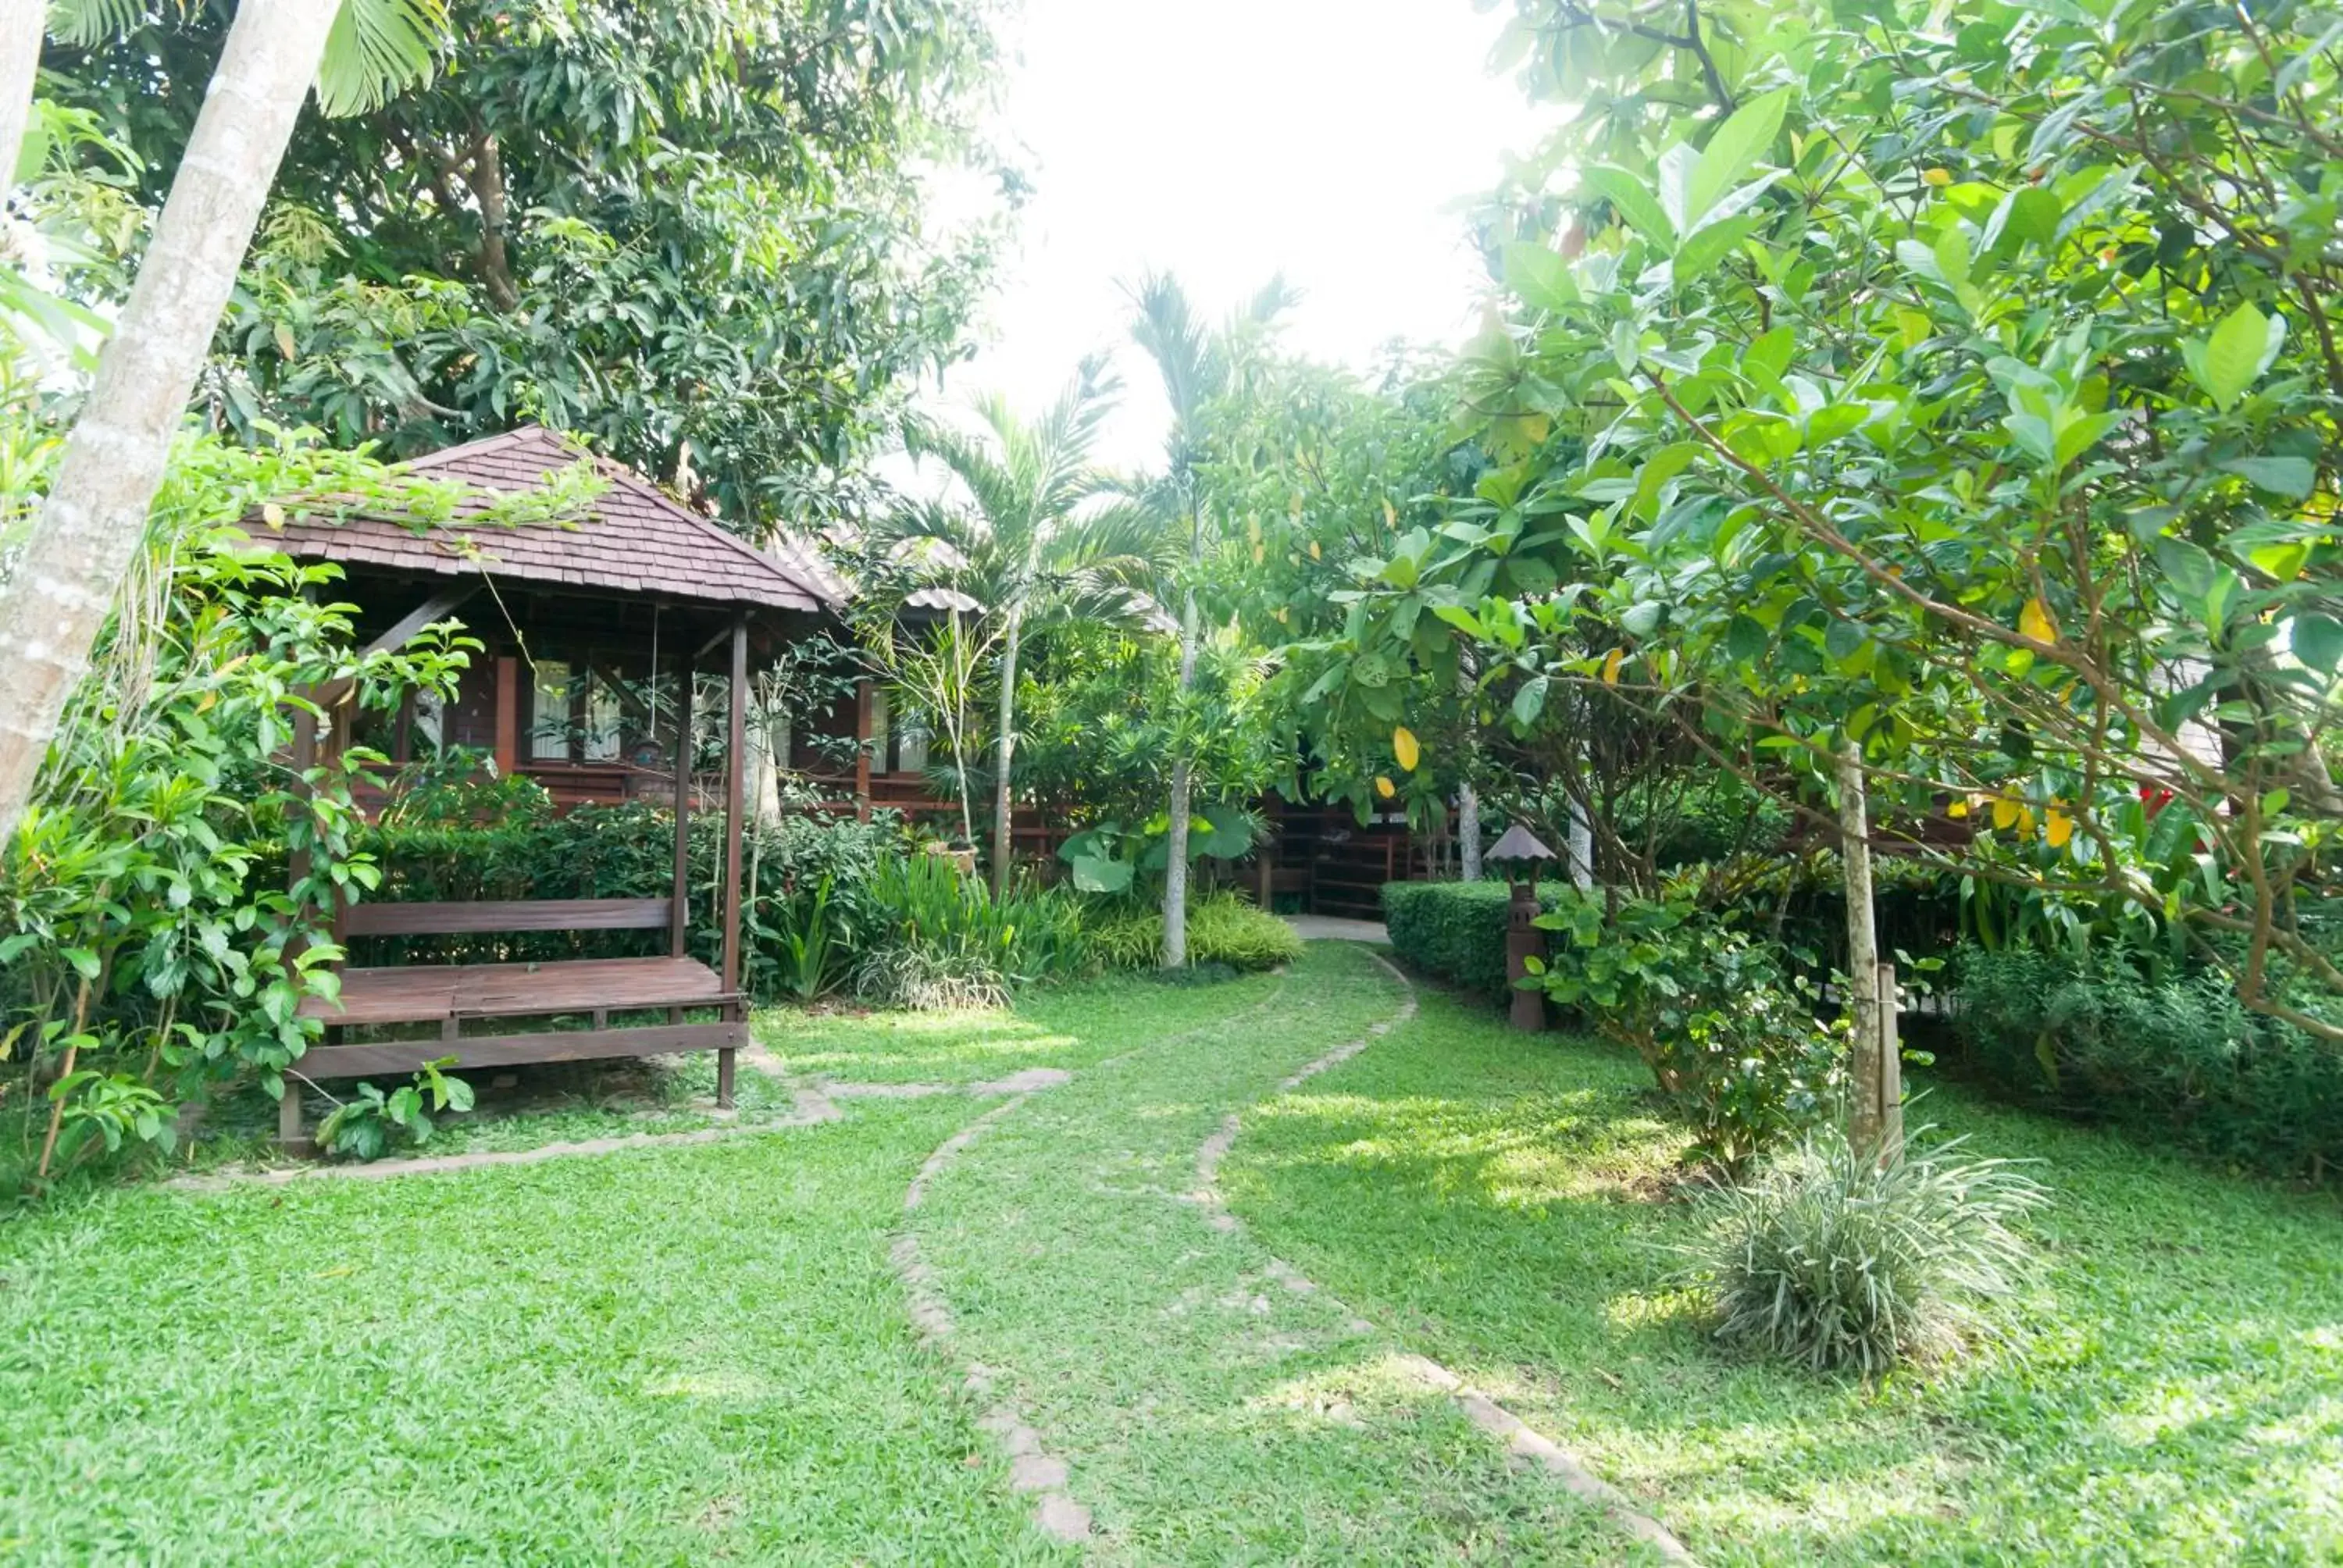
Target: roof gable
631 539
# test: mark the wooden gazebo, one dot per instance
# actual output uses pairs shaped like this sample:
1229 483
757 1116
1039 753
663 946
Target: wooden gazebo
635 589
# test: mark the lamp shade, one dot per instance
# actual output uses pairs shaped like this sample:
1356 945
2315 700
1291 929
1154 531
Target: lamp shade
1518 843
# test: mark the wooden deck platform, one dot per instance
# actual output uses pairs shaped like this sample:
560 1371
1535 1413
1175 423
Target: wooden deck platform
450 995
428 993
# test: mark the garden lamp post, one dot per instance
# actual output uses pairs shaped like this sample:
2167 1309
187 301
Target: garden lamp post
1520 852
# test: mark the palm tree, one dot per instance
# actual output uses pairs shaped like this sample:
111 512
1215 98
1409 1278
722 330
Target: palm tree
89 524
1032 536
1197 364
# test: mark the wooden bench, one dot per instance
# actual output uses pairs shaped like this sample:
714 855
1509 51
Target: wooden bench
453 995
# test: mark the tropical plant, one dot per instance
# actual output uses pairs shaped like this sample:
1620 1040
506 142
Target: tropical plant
365 1126
1225 930
1832 1259
949 942
1196 367
699 235
1728 1032
81 543
1030 537
1894 384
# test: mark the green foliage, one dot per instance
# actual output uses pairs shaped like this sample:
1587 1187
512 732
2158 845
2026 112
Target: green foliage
1931 405
808 911
150 927
366 1126
949 942
1224 929
1108 857
2168 1054
1728 1033
1835 1261
697 234
1456 931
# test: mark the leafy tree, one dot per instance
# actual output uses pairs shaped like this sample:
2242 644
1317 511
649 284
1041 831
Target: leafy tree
1030 537
1959 387
109 468
695 233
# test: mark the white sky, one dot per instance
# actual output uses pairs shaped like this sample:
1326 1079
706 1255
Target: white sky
1228 140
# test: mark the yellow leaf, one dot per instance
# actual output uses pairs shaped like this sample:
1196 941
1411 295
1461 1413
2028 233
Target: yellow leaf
1958 809
273 515
2005 812
1314 553
1404 747
2026 822
1260 553
2034 622
1384 787
1938 177
1611 665
1281 615
2058 828
1391 518
335 1273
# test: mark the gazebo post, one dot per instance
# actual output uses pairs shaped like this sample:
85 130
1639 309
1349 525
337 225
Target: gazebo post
680 919
735 770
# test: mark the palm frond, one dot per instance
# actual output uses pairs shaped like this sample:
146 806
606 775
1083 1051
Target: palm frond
377 50
86 24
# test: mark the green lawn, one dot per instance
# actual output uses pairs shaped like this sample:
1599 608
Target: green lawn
699 1354
2172 1391
669 1356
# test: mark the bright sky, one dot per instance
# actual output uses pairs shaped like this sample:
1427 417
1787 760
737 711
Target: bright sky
1228 140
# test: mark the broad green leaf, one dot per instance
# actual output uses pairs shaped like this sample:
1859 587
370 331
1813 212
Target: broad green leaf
1737 145
1634 199
1539 276
1710 244
2319 641
2231 358
1530 700
2292 477
2188 569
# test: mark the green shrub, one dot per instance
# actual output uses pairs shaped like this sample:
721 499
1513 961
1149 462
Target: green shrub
1728 1032
1227 928
1455 931
949 942
1827 1260
365 1126
1223 928
808 909
928 979
2177 1057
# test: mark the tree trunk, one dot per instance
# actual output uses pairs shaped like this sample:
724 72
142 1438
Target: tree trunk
1182 805
1468 833
89 528
1865 1119
1580 848
20 56
1003 843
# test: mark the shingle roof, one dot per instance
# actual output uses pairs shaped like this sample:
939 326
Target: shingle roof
631 538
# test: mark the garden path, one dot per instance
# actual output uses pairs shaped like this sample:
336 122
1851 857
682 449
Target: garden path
1138 1353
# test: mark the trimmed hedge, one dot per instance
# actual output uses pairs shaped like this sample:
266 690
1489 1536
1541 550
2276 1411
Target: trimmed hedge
2177 1060
1455 931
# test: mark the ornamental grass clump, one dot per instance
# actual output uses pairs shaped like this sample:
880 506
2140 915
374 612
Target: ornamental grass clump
1826 1259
